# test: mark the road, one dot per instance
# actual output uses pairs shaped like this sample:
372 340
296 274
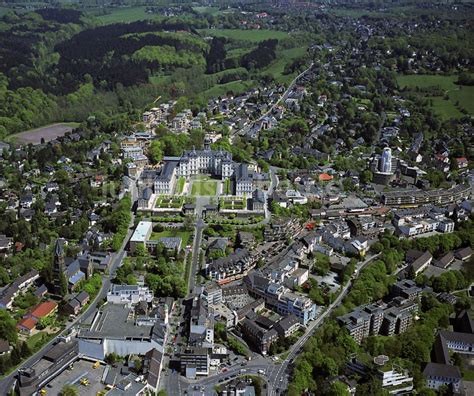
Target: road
276 374
9 381
273 185
177 385
200 225
279 374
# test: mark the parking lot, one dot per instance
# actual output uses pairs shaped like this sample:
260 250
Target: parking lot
80 369
329 280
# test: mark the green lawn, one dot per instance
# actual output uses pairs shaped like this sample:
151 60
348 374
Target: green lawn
237 87
460 96
180 185
426 80
204 188
278 66
227 187
237 203
238 52
468 375
166 202
36 340
246 35
184 235
445 108
129 14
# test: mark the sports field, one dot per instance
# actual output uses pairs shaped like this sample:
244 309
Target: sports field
48 133
204 187
458 96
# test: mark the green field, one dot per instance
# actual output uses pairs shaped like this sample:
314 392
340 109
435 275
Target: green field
184 235
129 14
180 185
207 10
459 95
4 10
237 87
426 80
278 66
158 80
204 188
246 35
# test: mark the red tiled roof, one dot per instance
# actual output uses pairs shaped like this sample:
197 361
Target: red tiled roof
325 177
43 309
18 246
28 323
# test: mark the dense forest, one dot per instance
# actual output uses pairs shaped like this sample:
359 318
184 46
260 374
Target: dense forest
62 65
65 65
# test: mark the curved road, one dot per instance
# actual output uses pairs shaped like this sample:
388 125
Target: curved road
276 374
9 381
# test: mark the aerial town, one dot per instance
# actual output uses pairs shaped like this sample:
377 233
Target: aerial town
304 236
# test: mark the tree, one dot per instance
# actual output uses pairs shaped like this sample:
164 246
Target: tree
427 392
458 361
220 331
155 151
372 387
69 390
5 363
63 284
7 327
463 302
112 358
366 177
15 356
338 388
61 176
25 350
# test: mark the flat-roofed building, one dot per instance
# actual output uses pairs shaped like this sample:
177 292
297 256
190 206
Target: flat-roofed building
212 294
195 362
129 294
407 289
141 235
115 329
421 197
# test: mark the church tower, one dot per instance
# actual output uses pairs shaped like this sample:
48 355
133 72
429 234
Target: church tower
59 269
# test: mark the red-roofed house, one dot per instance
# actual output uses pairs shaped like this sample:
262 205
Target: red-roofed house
462 162
43 310
18 246
26 325
325 177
